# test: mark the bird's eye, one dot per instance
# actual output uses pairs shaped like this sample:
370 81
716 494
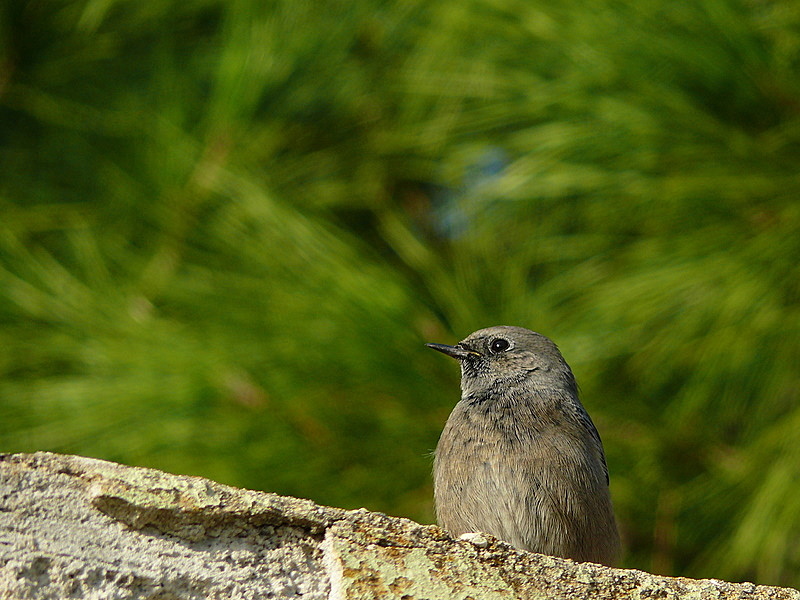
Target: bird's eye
499 345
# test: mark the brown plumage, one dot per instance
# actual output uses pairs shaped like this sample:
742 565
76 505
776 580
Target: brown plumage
519 457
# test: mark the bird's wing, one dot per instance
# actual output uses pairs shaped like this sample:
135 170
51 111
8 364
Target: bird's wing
586 422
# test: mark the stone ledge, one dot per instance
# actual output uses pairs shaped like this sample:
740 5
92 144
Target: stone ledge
85 528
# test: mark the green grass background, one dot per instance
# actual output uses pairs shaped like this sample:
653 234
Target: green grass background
228 227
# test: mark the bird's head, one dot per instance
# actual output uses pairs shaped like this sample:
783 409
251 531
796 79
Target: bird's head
510 358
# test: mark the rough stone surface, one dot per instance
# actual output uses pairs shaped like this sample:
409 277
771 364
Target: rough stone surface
73 527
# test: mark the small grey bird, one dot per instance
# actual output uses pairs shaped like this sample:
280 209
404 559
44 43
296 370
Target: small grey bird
519 457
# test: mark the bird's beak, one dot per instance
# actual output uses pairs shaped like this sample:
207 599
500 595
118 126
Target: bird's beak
456 352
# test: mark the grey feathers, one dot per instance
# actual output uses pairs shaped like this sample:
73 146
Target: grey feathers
519 457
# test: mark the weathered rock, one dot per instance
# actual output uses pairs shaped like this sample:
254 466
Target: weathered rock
73 527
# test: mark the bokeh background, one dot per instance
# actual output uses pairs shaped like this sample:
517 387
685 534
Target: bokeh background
228 226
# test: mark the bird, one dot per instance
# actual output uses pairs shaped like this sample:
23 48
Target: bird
519 457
